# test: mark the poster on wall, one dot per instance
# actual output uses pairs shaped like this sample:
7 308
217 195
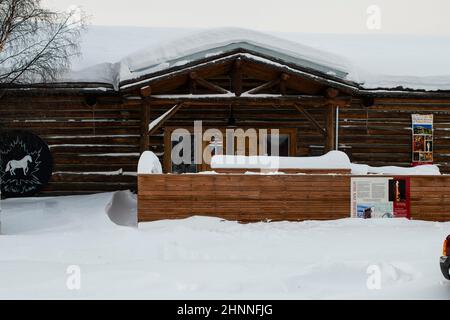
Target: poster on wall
380 197
422 131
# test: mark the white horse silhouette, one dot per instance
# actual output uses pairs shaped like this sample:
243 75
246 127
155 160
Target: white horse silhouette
21 164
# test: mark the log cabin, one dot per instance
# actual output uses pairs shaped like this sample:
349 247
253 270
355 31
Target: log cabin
98 122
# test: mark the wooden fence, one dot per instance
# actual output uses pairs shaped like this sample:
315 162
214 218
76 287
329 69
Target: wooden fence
244 197
255 197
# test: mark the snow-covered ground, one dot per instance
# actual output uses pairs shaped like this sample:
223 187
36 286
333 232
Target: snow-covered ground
209 258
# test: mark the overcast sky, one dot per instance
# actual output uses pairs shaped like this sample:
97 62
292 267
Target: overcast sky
323 16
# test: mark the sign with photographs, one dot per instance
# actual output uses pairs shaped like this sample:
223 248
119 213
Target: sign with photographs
422 130
25 163
380 197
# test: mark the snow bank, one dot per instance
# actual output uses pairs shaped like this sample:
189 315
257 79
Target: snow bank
331 160
208 258
363 169
149 164
122 209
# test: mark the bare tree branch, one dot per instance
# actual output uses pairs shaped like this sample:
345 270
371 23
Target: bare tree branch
37 44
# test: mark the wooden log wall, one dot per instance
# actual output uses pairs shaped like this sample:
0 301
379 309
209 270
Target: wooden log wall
257 116
90 144
244 198
381 135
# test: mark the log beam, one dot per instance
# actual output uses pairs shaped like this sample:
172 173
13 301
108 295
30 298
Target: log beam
304 100
311 119
146 91
264 86
281 81
331 133
236 77
164 118
208 85
331 93
145 121
283 86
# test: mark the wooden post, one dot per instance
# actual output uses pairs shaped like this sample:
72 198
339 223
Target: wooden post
330 120
284 78
145 121
236 77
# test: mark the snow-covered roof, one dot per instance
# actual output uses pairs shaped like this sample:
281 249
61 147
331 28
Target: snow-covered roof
208 44
353 64
215 42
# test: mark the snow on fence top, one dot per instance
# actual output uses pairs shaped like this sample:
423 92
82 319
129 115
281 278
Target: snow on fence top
150 164
214 42
331 160
363 169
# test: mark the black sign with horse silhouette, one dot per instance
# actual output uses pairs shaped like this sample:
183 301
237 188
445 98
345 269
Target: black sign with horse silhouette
25 163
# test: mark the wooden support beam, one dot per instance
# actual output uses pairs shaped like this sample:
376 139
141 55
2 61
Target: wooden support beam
145 120
208 85
311 119
236 77
284 78
278 81
331 93
214 99
166 116
192 86
331 133
146 91
264 86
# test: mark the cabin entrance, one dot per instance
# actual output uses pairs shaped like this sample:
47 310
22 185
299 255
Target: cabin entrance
180 145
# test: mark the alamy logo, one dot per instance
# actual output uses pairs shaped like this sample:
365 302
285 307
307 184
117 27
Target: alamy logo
374 279
73 281
373 21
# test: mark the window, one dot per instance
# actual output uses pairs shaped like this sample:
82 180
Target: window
283 143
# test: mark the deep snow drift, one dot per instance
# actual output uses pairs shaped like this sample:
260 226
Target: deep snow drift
204 257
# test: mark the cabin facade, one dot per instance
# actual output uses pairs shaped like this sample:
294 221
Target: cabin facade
97 130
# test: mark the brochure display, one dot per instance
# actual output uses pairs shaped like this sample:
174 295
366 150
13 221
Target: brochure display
380 197
422 139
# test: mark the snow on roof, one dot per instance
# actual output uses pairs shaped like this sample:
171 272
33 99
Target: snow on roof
218 41
368 55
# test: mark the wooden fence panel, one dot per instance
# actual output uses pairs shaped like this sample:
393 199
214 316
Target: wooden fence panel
430 198
248 198
244 197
